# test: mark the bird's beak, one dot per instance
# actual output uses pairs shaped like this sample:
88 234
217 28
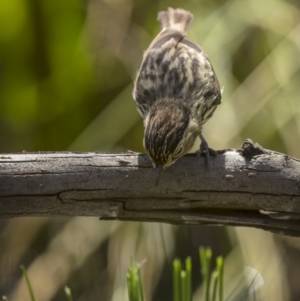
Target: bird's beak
158 170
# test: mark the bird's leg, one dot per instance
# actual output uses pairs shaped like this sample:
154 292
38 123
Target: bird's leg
205 149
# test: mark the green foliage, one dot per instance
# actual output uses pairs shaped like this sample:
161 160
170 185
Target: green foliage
134 282
219 276
68 293
32 297
176 279
67 290
182 279
66 69
205 259
216 278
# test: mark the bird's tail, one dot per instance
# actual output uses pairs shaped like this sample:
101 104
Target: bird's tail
175 19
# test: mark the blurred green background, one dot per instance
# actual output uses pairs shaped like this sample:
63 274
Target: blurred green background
66 71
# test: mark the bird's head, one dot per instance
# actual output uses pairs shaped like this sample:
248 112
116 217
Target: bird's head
169 132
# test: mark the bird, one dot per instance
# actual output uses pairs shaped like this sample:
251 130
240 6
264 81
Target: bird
176 91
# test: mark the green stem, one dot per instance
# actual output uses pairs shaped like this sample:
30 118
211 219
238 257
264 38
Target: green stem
188 269
132 282
205 259
220 267
183 285
176 279
208 255
28 283
140 284
215 278
68 293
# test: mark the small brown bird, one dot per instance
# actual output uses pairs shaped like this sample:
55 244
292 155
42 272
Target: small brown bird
176 91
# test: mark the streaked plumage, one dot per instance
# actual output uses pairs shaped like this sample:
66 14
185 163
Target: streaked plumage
176 90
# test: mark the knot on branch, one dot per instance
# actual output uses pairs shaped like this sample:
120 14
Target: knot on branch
251 149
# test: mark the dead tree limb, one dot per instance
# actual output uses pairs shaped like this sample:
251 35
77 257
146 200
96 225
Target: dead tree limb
248 187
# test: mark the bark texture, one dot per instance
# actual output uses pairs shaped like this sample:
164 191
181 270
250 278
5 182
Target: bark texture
251 187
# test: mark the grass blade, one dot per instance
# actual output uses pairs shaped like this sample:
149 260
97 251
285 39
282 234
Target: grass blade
176 279
215 280
188 269
208 255
183 285
68 293
220 268
28 283
205 259
132 283
140 284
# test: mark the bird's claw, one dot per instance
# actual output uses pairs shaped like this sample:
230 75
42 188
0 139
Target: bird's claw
204 149
207 151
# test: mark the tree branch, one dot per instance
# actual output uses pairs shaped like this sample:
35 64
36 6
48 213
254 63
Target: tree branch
251 187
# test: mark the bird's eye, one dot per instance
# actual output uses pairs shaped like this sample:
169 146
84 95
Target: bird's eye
209 94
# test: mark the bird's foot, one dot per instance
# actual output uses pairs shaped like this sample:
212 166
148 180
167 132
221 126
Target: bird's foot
204 149
207 151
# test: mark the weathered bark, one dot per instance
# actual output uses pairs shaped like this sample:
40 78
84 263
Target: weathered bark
248 187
